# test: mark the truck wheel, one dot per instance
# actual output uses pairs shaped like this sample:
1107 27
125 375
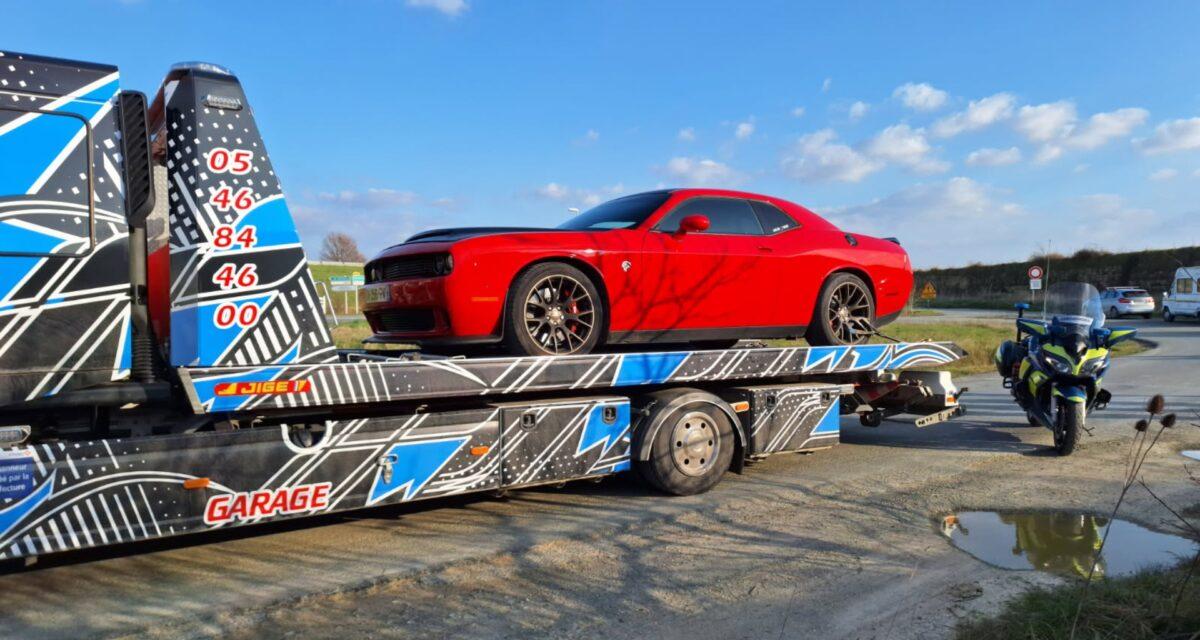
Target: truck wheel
553 309
1067 426
1167 315
844 305
690 452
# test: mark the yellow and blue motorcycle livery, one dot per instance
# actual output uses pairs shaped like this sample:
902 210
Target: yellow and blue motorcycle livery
1056 365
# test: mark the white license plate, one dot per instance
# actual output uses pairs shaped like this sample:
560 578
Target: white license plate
375 295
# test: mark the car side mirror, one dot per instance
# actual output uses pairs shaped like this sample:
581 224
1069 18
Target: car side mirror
692 224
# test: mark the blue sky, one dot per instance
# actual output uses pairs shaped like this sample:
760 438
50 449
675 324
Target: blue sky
974 133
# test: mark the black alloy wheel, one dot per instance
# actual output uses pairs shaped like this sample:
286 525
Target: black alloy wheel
554 309
845 312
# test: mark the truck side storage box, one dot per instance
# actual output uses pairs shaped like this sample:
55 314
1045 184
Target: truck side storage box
559 440
787 417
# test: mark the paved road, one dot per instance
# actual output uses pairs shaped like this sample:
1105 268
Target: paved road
837 543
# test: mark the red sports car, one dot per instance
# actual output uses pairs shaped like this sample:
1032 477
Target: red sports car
699 266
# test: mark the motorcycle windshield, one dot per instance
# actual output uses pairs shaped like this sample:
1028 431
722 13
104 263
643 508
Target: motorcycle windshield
1075 305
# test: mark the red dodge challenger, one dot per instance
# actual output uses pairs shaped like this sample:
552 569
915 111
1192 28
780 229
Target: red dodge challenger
699 266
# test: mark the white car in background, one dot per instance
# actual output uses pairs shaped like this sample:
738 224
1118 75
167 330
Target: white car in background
1183 300
1127 301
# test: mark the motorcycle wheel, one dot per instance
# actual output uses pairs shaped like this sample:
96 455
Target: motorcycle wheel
1067 425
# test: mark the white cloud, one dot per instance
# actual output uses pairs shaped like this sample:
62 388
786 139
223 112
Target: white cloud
1057 123
902 145
1045 122
1102 127
701 172
920 97
858 110
744 129
798 112
1171 136
1047 153
452 8
816 157
978 115
1162 175
559 192
553 191
985 226
687 134
1081 167
988 157
826 85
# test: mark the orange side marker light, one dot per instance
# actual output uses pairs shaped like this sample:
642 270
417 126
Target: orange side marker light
196 483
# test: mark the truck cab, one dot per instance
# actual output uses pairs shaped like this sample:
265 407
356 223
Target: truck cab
1183 300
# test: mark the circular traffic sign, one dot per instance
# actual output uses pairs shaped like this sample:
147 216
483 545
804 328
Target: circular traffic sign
1035 272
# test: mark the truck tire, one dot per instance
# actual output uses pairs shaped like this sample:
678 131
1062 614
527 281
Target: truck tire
1167 315
691 450
1068 424
553 309
844 300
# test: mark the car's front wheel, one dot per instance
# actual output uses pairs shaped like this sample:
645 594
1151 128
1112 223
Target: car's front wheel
1167 315
553 309
844 314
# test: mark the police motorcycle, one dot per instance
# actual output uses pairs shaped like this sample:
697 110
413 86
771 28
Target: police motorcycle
1056 365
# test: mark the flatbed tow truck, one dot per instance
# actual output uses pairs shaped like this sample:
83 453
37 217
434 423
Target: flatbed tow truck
166 368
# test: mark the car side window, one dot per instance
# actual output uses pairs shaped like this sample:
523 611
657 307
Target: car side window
1183 285
773 220
725 216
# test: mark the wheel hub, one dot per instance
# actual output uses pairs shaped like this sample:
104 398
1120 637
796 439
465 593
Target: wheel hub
555 316
695 443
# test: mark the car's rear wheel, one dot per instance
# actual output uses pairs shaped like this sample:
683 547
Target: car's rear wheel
1113 313
553 309
844 314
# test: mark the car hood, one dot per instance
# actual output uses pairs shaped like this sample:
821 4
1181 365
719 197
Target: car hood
462 233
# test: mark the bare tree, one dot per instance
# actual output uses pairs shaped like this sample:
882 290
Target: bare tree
339 247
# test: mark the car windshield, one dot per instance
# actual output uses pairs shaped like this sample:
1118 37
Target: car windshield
1135 293
1075 304
622 213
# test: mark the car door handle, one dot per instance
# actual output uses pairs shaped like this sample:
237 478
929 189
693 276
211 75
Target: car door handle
764 249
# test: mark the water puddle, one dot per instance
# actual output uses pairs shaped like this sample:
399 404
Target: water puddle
1062 543
1194 455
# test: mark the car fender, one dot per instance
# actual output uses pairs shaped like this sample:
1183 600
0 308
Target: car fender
653 409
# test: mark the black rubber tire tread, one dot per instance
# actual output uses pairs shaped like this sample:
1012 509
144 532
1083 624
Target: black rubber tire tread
516 338
660 471
1073 415
819 333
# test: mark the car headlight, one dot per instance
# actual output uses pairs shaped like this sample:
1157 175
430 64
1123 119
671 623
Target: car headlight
443 264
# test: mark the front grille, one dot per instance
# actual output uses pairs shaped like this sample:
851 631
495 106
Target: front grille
406 267
406 320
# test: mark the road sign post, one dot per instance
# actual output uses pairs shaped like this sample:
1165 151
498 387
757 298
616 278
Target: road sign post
928 293
1035 282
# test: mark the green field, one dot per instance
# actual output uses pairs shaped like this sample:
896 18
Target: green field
1134 607
343 303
